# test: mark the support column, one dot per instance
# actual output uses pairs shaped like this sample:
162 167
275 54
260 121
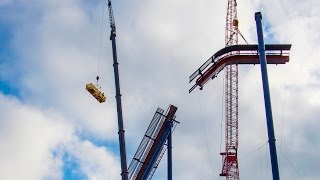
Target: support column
170 151
267 99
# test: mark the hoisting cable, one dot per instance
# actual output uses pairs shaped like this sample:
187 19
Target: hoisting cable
205 135
95 90
260 164
266 163
222 112
254 53
250 152
101 30
283 112
281 133
242 37
295 169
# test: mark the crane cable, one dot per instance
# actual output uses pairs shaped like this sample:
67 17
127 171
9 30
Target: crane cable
222 110
242 37
254 53
266 163
283 113
205 135
260 164
101 30
250 152
281 133
293 167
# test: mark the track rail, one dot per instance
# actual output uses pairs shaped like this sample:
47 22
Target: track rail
246 54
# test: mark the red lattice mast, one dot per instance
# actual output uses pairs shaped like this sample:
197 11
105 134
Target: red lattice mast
230 158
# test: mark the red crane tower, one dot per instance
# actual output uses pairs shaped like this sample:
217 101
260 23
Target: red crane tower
230 162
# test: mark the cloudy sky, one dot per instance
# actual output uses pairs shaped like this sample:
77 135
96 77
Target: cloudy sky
52 128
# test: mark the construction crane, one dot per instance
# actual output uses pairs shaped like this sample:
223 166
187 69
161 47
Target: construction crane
124 169
228 58
230 157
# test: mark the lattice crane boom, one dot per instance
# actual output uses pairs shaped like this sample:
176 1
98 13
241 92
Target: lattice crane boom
230 162
111 19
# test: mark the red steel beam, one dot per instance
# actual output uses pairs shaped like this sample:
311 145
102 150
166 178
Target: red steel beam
237 59
170 115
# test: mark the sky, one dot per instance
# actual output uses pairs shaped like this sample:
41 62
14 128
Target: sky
52 128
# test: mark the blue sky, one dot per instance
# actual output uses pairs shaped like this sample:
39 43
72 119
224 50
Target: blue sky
71 168
51 128
7 54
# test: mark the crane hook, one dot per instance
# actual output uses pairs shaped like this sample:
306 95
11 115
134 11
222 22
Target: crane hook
97 78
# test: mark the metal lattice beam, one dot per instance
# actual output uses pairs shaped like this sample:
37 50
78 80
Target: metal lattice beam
230 165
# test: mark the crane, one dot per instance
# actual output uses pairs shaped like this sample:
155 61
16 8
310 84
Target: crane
230 156
124 169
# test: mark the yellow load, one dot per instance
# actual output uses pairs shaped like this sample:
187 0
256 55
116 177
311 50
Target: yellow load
96 92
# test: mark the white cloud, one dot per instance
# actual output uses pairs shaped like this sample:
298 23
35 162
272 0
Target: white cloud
33 141
95 162
27 138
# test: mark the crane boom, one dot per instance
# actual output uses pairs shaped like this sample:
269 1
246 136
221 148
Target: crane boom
230 162
124 169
